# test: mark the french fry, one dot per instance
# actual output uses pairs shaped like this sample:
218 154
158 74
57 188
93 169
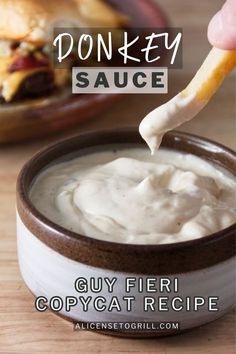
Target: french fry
217 65
189 102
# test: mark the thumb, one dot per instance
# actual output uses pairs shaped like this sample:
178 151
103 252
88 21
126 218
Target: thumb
222 27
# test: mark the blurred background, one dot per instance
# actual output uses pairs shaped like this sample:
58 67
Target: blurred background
216 121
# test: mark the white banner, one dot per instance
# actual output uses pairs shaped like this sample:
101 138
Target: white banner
119 80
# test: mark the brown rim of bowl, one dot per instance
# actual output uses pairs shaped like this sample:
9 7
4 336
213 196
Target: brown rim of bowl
141 259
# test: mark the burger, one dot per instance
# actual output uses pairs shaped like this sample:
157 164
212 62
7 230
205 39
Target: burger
26 34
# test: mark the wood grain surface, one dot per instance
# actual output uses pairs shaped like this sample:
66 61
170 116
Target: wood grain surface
22 329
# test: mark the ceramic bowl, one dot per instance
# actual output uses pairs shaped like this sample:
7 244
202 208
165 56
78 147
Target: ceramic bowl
51 258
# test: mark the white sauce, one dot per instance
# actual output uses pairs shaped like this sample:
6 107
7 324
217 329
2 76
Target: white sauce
133 197
168 116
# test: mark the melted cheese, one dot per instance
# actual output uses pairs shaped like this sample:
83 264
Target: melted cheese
4 64
11 82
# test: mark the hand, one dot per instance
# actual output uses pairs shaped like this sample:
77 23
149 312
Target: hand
222 27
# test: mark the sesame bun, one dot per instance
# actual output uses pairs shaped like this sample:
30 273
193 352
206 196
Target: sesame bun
34 20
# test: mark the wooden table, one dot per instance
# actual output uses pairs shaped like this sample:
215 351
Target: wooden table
22 329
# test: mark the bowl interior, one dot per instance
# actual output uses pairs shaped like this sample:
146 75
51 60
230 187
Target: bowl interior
90 142
214 248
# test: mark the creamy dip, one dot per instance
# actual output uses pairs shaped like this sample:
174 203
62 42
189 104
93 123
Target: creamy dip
129 196
168 116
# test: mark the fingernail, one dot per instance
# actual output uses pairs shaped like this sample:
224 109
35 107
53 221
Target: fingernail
215 28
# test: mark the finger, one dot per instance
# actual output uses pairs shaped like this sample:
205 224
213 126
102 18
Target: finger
222 28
